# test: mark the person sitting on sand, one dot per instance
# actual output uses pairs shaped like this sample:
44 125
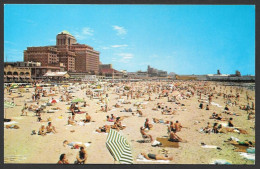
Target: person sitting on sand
213 116
208 128
118 124
85 104
207 107
88 118
82 156
105 129
201 105
147 124
230 122
139 112
174 137
226 108
144 134
177 126
150 156
42 131
73 145
171 127
63 159
50 128
70 121
117 105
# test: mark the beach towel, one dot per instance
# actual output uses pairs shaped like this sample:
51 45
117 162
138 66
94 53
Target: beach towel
215 104
221 162
248 156
209 146
9 123
99 133
141 158
81 112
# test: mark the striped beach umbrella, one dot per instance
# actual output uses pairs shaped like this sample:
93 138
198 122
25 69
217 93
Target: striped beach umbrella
119 148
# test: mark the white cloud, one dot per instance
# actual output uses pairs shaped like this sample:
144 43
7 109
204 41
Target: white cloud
120 30
83 34
105 48
125 57
118 46
87 31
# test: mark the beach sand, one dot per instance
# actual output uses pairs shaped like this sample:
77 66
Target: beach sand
22 147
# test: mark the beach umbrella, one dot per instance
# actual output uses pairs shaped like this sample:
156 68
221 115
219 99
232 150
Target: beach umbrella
53 101
78 100
8 105
119 148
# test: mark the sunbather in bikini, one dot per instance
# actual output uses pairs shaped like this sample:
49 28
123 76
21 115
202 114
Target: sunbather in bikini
50 128
73 145
174 137
105 129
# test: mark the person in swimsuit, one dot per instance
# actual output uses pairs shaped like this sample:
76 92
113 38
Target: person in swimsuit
82 156
174 137
178 126
147 125
150 156
63 159
24 109
144 134
230 122
50 128
42 131
88 118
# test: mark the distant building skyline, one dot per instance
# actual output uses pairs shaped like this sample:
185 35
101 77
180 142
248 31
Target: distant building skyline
185 39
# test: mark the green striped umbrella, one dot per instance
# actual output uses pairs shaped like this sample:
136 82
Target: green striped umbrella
78 100
119 148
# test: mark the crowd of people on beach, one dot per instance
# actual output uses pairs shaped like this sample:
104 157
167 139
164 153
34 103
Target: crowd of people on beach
152 92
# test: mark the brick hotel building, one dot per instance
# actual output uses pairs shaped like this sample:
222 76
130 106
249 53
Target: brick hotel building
75 57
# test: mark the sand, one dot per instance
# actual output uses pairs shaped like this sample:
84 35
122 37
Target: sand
22 147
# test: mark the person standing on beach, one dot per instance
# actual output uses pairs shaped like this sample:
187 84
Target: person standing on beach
107 101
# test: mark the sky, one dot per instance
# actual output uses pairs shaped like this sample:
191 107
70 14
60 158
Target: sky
185 39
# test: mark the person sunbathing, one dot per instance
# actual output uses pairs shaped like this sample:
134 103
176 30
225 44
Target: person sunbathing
42 131
144 134
147 124
230 122
208 128
139 112
119 125
117 105
207 107
82 156
50 128
73 145
88 118
71 122
174 137
12 126
109 119
63 159
105 129
177 126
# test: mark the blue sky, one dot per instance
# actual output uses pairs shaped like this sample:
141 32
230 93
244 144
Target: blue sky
185 39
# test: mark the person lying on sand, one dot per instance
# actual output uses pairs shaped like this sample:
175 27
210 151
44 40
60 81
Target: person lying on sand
144 134
13 126
73 145
42 131
147 124
105 129
118 125
150 156
50 128
127 110
63 159
117 105
110 120
81 156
